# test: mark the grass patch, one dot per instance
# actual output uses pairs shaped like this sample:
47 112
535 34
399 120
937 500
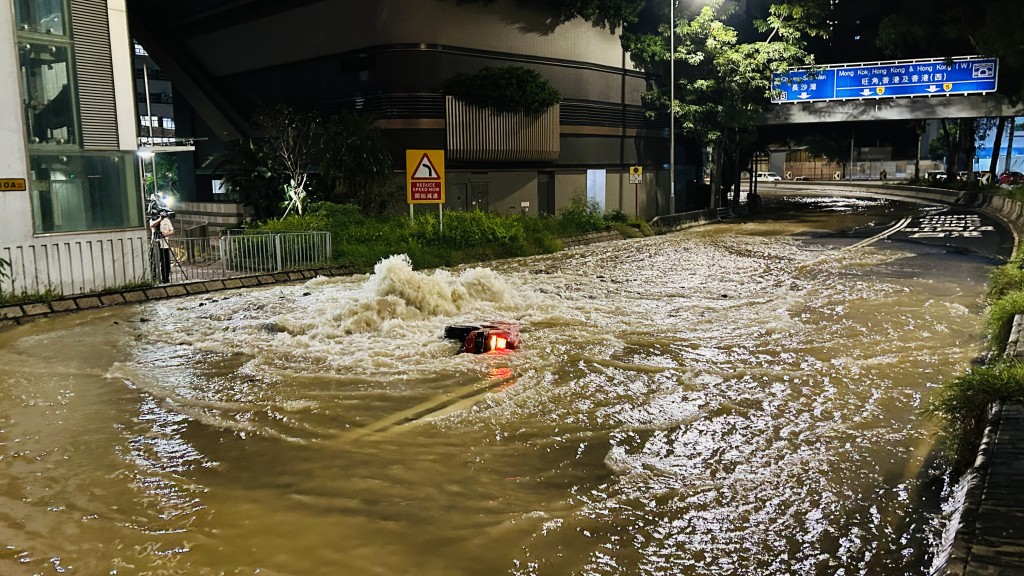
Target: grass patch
48 295
962 405
1000 317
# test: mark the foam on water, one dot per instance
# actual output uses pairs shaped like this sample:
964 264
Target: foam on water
709 402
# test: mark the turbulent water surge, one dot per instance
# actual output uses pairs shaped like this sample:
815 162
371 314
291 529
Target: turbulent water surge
736 399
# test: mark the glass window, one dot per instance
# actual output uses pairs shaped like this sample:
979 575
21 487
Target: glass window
596 180
47 93
43 16
75 192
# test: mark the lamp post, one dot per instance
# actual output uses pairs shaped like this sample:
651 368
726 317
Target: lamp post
672 107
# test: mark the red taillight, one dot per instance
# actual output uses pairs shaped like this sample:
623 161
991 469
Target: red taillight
498 343
484 338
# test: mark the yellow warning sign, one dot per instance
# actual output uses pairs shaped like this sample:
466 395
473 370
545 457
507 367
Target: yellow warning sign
636 174
424 176
12 185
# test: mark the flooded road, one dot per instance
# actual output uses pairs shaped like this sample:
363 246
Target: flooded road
740 398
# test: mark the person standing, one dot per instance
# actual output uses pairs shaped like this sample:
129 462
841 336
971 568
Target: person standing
162 229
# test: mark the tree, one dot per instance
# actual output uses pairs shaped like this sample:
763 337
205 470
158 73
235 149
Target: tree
724 83
356 163
291 144
610 14
247 177
930 28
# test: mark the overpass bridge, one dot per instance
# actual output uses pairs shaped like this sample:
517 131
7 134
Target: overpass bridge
917 108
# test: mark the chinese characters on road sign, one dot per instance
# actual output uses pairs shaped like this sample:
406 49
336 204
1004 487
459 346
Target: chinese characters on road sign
892 79
424 171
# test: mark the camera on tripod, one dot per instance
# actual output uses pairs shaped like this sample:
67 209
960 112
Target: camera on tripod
159 207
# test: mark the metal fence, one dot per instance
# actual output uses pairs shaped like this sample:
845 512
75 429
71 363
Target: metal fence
243 252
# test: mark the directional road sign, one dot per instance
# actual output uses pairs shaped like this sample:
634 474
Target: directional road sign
968 75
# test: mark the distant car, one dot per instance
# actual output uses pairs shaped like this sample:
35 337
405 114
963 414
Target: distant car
962 175
1011 178
767 177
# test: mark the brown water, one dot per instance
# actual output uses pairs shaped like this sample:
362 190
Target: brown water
734 399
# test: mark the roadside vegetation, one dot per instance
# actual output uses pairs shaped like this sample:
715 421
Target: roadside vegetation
962 404
360 240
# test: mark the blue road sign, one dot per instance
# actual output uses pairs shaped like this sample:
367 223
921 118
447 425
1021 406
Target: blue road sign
910 78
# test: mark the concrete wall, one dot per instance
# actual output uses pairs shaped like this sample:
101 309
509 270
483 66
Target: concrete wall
331 27
15 210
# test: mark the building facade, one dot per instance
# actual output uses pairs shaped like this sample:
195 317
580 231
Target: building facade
389 59
71 210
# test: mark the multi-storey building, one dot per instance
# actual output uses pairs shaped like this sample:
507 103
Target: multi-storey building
71 196
70 207
389 59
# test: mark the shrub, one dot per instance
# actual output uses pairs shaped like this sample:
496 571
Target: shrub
963 405
514 89
581 216
360 241
1000 317
1006 278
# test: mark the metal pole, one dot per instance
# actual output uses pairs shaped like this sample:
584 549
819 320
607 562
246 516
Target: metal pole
849 175
149 122
672 107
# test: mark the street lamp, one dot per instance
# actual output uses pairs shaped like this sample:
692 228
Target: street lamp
672 107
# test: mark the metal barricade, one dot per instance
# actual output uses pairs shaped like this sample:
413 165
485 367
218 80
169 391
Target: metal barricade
246 252
242 253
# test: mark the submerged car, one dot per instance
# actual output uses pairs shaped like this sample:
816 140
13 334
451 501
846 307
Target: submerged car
483 338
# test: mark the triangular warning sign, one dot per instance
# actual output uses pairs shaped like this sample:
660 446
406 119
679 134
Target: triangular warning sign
425 170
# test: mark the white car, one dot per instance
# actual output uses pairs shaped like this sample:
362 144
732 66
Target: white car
767 177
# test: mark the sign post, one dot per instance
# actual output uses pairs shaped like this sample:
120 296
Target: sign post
424 177
636 177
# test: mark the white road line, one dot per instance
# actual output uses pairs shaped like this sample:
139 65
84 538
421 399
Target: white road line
896 228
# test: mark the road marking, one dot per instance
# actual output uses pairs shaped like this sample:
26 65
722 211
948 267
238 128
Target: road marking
896 228
437 406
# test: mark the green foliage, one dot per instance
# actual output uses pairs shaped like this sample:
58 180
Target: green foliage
581 216
356 165
725 83
962 404
1000 317
361 241
247 176
513 89
925 28
609 14
1006 279
48 295
349 151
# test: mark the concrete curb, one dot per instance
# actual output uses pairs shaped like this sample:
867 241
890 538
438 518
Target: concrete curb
17 314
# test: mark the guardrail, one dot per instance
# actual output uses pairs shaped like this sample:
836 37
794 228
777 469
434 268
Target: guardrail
244 252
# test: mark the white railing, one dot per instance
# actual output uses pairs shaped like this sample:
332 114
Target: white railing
246 252
74 265
77 265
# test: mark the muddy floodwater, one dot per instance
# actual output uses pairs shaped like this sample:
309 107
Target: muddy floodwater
735 399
